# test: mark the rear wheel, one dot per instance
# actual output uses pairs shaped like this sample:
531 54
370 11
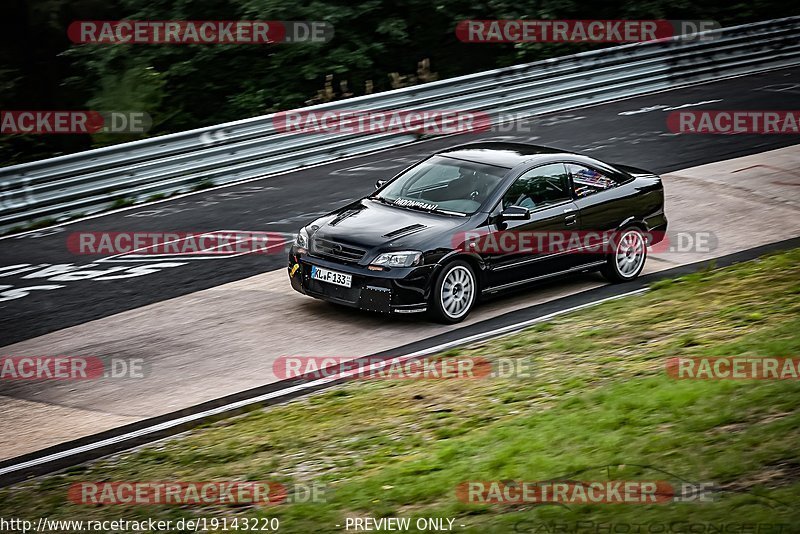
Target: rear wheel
627 260
453 293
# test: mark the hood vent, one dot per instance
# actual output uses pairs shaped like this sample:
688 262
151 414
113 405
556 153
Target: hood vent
405 231
342 216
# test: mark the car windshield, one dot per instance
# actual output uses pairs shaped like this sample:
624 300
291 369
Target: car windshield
443 185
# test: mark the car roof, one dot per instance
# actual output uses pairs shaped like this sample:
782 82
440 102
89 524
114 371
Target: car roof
500 154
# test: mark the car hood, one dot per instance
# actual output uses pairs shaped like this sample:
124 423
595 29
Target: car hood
371 225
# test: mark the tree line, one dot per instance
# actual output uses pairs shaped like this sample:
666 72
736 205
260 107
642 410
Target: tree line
378 45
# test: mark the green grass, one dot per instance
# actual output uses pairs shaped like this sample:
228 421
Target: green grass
122 202
205 183
597 406
35 225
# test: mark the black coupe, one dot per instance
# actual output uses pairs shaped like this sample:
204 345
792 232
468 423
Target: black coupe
479 219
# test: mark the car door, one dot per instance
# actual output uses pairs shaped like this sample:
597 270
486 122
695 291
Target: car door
599 204
544 191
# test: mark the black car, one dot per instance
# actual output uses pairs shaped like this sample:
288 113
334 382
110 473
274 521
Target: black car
475 220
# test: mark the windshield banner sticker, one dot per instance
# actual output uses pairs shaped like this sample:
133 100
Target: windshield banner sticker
415 204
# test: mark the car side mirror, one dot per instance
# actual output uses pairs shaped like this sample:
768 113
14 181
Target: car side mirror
516 213
379 184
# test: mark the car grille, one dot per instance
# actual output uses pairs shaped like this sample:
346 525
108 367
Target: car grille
332 249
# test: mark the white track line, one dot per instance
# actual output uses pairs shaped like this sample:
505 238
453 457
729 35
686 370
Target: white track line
300 387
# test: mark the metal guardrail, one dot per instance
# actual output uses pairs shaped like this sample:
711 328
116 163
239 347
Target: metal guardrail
87 182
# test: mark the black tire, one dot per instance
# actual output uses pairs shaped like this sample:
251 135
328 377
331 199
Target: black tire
629 256
457 281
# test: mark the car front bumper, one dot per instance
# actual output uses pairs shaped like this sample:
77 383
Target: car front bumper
396 290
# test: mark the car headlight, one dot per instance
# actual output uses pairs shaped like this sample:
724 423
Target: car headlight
405 258
302 238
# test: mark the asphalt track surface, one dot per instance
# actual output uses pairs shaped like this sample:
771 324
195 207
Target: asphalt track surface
631 131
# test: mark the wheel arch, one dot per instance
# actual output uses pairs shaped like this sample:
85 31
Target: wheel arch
633 221
473 260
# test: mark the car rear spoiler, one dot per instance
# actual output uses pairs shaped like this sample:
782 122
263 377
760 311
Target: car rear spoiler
635 171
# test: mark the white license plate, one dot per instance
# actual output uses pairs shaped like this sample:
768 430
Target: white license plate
332 277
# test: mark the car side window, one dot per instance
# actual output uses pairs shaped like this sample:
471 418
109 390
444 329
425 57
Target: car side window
540 186
587 181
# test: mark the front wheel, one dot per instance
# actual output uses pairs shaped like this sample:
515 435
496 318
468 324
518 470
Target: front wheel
453 293
627 260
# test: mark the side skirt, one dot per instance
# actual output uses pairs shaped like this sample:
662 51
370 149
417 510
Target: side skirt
585 266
